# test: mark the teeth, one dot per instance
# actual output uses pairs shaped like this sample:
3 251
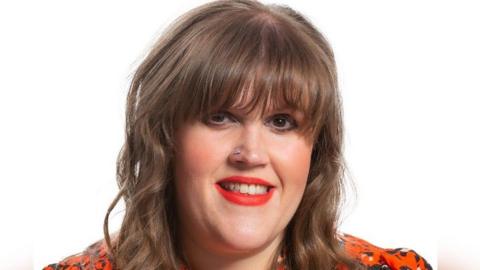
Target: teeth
251 189
245 189
261 189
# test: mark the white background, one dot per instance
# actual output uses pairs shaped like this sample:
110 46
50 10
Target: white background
408 71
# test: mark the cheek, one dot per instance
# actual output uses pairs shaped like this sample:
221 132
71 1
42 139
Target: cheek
293 166
198 154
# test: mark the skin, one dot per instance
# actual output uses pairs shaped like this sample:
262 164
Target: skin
215 233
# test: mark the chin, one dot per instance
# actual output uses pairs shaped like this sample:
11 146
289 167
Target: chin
246 242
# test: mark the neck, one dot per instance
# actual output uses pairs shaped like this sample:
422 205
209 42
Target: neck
201 258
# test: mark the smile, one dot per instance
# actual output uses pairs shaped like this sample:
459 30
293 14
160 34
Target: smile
245 190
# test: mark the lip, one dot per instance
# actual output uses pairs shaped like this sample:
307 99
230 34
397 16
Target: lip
245 199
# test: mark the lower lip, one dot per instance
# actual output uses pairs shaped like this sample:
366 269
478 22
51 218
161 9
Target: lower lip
245 199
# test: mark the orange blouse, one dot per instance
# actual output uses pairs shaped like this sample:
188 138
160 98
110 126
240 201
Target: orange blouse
373 257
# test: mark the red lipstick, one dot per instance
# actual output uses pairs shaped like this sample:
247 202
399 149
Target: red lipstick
244 198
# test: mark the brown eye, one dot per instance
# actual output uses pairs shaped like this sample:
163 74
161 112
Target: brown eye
283 122
218 118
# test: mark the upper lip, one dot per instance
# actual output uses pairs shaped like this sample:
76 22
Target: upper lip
246 180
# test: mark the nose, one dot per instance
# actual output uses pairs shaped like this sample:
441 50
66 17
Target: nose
250 149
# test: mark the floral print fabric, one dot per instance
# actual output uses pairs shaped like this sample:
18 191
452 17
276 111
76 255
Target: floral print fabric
373 257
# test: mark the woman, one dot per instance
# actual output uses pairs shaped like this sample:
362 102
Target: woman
233 152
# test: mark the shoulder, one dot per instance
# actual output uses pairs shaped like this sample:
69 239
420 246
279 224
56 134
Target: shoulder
375 257
94 257
367 254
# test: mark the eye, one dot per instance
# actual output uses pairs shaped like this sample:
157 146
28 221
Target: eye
283 122
218 118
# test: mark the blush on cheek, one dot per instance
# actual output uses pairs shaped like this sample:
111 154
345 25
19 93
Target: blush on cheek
199 153
297 158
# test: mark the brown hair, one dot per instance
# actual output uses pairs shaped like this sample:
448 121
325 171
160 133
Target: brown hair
206 60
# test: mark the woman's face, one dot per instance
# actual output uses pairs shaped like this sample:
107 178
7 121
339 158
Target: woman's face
270 148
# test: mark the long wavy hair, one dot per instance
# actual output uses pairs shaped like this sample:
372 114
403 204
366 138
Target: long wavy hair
203 61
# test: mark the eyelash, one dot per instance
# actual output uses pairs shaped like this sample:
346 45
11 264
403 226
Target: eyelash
287 117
